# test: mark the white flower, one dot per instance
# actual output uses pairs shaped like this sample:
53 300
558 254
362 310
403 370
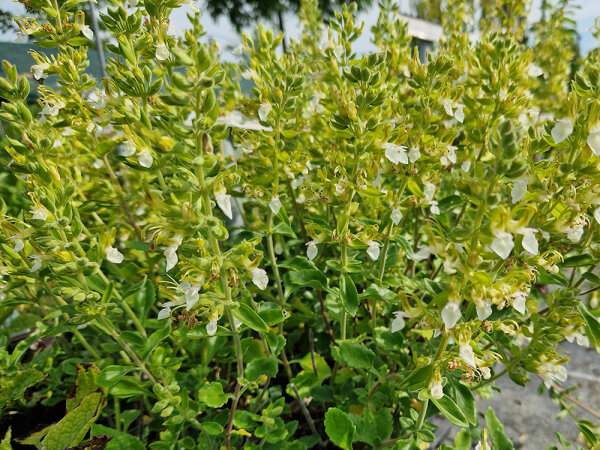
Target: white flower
224 202
191 295
466 353
574 232
429 191
448 107
484 311
562 130
436 390
534 71
423 253
597 214
39 71
192 4
259 278
52 109
87 32
373 250
395 153
518 190
593 140
19 245
235 119
113 255
503 244
37 265
162 52
297 182
485 372
312 250
339 188
581 339
275 204
145 158
553 372
414 154
398 322
465 166
518 302
39 213
211 327
396 216
459 114
165 311
449 157
98 163
263 111
127 149
171 255
57 143
451 314
434 207
530 243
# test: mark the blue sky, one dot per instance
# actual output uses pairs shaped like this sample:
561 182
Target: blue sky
222 31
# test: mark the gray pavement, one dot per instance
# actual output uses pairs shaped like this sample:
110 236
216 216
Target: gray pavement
529 419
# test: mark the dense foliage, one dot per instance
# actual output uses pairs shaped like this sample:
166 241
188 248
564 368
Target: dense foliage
359 243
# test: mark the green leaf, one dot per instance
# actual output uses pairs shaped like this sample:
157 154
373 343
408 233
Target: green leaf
120 439
85 384
111 375
466 402
356 355
248 317
261 366
418 376
5 444
349 294
73 427
578 260
592 329
374 292
451 411
313 278
587 429
212 395
497 436
284 226
462 441
339 428
16 385
212 428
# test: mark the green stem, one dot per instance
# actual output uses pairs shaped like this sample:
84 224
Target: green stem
422 412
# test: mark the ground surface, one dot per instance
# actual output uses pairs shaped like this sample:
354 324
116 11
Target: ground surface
529 419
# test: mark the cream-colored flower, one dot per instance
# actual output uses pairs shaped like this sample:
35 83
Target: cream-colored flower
259 278
275 204
113 255
562 130
162 51
395 153
373 250
451 314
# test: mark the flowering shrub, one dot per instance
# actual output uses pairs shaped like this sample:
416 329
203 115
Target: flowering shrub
359 243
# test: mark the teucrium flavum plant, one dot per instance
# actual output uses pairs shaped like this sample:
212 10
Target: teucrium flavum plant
356 244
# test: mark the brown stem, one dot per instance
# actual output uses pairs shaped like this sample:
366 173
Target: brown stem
569 397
